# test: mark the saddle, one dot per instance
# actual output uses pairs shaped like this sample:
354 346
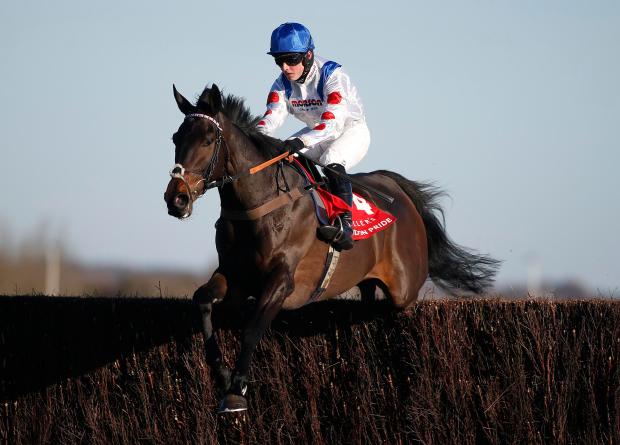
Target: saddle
317 184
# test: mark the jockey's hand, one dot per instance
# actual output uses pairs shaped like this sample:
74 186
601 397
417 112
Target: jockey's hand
293 145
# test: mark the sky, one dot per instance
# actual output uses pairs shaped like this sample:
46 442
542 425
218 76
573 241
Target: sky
513 108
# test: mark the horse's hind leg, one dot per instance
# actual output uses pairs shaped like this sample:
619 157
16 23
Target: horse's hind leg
207 294
404 268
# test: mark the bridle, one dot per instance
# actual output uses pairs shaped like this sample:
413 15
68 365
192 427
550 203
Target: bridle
178 171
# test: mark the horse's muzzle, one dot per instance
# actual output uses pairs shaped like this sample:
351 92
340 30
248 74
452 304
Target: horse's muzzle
179 205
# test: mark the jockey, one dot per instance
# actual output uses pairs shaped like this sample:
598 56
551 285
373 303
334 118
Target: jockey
320 94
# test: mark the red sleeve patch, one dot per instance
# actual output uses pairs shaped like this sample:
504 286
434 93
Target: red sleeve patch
273 97
328 115
319 127
261 123
334 98
267 113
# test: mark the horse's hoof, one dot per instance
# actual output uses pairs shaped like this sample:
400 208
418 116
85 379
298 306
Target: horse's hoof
232 403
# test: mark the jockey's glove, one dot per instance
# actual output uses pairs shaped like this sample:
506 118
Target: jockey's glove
293 145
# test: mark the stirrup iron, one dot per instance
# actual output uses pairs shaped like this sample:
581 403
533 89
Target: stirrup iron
332 232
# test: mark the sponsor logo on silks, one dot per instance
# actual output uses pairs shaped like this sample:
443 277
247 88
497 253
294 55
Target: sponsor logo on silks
307 103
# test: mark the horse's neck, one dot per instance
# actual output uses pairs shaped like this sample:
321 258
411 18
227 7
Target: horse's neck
250 191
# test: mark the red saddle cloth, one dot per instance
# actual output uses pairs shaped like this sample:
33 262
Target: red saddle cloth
367 218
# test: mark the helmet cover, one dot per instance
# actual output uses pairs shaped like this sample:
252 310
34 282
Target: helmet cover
291 38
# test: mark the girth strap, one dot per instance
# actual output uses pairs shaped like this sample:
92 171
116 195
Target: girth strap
331 262
262 210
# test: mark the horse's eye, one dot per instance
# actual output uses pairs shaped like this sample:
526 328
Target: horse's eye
208 141
175 138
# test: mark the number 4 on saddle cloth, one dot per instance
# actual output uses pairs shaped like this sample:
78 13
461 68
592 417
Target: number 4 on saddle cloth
367 218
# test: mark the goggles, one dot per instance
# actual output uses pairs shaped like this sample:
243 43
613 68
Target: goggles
291 59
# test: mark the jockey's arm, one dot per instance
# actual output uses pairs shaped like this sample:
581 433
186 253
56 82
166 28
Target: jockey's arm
334 113
276 110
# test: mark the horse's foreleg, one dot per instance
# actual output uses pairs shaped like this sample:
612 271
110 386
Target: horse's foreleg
278 287
207 294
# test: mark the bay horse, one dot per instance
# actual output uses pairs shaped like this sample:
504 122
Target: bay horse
275 256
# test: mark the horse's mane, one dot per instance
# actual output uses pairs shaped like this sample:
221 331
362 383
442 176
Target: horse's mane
235 109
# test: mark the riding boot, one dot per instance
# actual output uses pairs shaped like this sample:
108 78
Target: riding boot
340 233
345 242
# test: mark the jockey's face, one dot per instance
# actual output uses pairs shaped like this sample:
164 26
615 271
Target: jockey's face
292 72
290 69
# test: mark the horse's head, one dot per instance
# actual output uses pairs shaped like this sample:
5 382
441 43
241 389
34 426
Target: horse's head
199 149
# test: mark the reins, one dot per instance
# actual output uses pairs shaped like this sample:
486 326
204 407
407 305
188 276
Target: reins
226 179
178 172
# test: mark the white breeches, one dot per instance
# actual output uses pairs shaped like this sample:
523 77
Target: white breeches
348 150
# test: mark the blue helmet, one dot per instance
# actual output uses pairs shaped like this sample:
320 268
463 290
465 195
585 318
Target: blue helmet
291 38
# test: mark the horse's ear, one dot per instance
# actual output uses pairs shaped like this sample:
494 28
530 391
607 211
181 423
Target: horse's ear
184 105
215 99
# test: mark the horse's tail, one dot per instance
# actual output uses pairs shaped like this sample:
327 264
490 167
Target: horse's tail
452 267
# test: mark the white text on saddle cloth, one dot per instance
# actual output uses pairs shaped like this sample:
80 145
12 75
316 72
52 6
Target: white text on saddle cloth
368 219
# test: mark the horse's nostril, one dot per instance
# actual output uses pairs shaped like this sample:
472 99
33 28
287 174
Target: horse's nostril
181 201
